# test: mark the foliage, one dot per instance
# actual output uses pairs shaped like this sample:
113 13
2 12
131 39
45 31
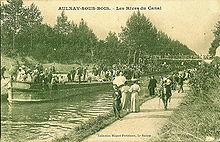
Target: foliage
24 34
18 22
198 115
141 37
216 42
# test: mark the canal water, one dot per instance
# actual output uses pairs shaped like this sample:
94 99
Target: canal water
44 121
38 122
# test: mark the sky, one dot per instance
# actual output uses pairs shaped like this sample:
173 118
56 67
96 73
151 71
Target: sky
189 21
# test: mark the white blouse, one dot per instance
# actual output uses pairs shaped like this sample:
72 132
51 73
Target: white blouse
135 88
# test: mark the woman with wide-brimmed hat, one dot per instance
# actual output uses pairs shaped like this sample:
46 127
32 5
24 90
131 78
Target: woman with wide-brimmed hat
126 97
135 89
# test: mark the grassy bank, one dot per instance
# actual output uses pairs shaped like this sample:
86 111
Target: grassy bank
198 117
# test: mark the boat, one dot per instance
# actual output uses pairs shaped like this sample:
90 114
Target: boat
32 92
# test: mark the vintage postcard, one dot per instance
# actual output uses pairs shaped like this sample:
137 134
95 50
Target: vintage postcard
108 70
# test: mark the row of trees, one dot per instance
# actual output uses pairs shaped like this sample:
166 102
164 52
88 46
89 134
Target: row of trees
23 33
216 42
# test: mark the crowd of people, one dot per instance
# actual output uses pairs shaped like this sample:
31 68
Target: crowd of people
36 74
101 72
173 80
126 97
107 73
162 66
39 74
163 88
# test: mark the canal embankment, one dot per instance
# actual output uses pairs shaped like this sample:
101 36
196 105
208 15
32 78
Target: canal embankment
198 116
141 126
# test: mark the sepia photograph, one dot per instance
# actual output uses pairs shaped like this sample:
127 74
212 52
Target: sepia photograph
110 71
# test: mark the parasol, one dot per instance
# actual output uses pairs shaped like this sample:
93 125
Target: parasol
119 80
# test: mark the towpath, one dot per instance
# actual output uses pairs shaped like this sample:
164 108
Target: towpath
142 126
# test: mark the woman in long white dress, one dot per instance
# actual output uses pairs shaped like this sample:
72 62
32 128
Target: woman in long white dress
126 97
135 104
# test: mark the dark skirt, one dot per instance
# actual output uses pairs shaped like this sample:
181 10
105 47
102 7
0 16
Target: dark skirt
117 105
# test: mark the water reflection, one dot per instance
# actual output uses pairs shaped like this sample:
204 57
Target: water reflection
43 121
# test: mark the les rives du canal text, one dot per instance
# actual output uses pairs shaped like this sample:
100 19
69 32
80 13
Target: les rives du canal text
110 8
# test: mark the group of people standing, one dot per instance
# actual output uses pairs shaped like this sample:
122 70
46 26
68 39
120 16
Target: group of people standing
126 97
79 72
35 74
102 72
174 82
164 87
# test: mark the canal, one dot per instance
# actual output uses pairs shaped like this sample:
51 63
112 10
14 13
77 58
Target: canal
44 121
31 122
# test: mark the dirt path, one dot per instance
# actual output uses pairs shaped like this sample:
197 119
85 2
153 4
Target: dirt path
142 126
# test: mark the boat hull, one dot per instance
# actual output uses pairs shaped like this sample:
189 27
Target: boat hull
26 92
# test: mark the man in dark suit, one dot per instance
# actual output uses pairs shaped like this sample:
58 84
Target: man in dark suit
79 73
180 83
152 85
116 101
73 73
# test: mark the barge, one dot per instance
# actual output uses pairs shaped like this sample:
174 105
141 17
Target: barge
32 92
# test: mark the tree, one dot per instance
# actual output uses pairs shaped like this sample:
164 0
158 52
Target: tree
139 35
68 42
62 27
32 18
87 41
111 50
216 42
45 43
11 17
17 25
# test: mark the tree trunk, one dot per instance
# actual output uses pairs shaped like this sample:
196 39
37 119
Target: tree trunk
129 55
59 58
13 41
139 56
61 41
134 59
31 40
92 54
